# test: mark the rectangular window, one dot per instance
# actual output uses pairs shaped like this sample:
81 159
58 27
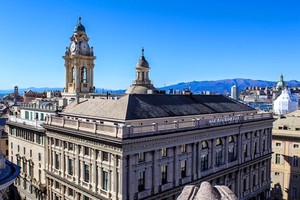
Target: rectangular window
294 192
56 185
219 158
277 173
86 173
30 153
277 160
204 162
183 148
104 156
296 146
18 148
277 189
40 175
183 168
70 146
278 144
57 142
231 156
264 145
245 184
295 161
30 170
86 151
11 145
254 180
105 180
164 174
86 198
141 181
42 117
40 156
24 150
245 150
70 166
142 157
70 192
255 148
26 115
56 160
164 152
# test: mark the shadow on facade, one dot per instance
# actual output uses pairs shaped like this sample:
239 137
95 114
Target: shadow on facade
277 189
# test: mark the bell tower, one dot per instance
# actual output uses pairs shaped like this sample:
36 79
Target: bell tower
79 63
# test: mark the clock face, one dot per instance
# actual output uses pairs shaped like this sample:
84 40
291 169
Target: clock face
84 46
73 46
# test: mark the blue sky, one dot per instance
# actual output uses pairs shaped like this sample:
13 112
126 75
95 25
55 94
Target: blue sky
183 40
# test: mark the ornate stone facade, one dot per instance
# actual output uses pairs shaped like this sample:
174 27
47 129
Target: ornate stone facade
157 164
79 63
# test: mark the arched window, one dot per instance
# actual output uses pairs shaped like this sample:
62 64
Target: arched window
218 142
73 75
204 145
83 75
230 139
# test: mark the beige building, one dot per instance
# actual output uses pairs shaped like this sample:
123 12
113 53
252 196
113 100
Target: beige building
285 159
27 147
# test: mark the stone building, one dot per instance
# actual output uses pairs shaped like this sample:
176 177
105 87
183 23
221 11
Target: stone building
26 147
146 145
285 160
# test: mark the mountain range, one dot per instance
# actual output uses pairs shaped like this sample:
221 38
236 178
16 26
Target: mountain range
224 86
197 87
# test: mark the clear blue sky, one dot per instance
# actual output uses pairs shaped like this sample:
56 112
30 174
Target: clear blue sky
183 40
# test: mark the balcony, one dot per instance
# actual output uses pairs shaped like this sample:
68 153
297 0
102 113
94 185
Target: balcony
127 131
34 123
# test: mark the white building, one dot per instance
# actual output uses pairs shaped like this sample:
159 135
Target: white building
26 139
285 103
234 92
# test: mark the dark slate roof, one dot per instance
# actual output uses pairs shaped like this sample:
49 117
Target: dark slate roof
143 106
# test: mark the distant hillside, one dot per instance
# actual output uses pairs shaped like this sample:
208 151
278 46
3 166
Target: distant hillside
219 86
224 86
45 89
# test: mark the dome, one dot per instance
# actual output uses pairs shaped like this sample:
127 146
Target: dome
79 27
142 62
280 83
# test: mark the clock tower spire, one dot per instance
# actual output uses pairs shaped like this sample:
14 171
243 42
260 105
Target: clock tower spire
79 63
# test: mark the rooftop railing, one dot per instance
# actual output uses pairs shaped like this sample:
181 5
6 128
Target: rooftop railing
17 119
129 131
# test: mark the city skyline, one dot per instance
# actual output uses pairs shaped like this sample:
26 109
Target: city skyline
183 42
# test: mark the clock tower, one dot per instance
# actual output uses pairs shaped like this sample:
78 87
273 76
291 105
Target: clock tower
79 63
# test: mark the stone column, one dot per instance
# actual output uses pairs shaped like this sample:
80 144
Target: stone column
213 153
225 150
67 77
76 164
94 170
194 160
177 175
155 170
62 160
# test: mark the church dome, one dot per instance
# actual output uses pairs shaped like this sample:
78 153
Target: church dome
142 62
79 27
280 84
